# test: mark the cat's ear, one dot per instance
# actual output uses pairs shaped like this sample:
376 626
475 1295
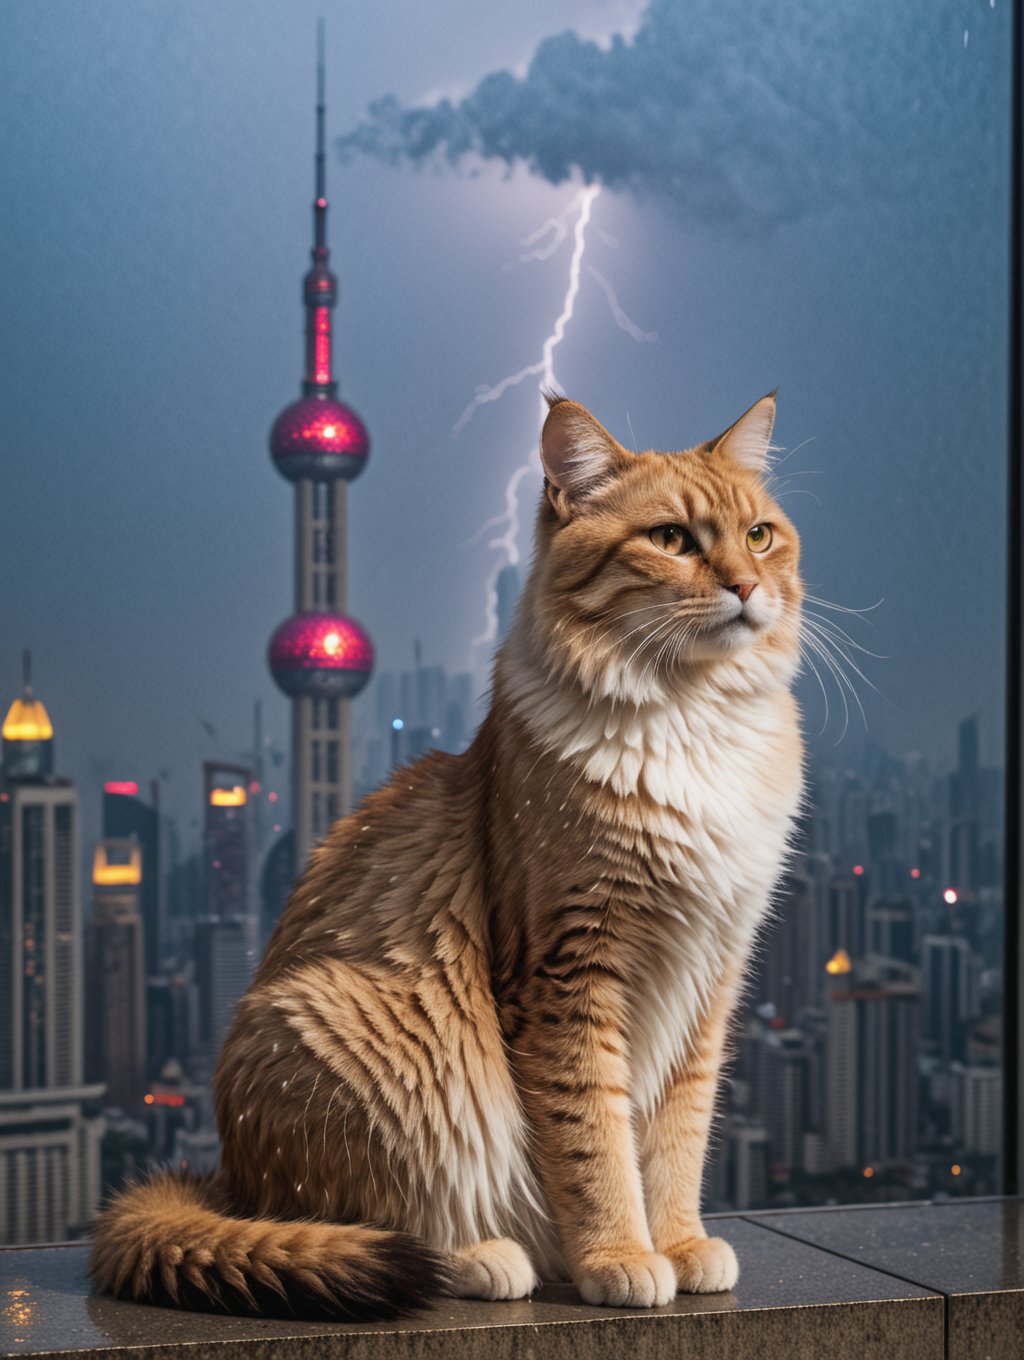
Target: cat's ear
749 441
578 454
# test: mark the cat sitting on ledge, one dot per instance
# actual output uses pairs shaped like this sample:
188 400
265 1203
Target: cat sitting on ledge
483 1044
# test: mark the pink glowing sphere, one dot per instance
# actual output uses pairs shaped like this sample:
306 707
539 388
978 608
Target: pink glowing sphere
321 438
321 654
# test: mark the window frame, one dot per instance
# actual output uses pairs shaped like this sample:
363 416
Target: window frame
1013 860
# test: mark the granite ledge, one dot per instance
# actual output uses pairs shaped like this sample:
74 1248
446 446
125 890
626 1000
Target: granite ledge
794 1300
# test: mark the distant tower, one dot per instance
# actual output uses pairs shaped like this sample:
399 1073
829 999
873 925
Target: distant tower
127 815
115 1021
319 656
49 1132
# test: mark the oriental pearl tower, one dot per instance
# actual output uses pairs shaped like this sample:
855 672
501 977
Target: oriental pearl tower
319 656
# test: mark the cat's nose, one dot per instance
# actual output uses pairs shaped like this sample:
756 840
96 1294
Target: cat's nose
744 589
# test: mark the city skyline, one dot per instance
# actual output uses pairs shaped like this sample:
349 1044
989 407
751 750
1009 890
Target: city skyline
146 789
165 437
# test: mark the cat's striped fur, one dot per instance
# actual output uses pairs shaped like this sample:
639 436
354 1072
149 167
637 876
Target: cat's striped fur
491 1019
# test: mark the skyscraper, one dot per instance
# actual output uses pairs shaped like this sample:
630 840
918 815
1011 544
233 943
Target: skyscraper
49 1132
127 814
947 976
227 840
115 1021
871 1064
319 656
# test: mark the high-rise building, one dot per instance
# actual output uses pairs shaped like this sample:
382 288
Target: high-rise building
871 1063
127 814
50 1132
224 961
320 657
115 1020
227 840
947 979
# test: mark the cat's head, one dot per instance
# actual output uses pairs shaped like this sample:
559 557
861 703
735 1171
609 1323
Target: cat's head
651 563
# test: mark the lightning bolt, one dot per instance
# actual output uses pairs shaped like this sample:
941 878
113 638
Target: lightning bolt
542 245
544 369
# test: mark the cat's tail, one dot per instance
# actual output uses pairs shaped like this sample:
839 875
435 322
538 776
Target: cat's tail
169 1240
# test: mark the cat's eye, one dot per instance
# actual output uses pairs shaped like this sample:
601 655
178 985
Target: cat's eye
759 539
672 539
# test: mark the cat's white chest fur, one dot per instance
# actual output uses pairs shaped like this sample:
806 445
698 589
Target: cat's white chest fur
719 782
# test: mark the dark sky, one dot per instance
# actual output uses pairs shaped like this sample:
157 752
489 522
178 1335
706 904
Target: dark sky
818 202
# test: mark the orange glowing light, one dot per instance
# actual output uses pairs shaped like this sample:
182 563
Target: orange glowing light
108 873
951 897
839 963
236 796
27 720
955 1169
148 1098
869 1171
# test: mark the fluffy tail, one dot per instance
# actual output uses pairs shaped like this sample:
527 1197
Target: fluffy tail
168 1240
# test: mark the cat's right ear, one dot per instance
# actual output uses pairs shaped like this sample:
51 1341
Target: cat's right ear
578 454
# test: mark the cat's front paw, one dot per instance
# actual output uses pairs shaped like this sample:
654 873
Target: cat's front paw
704 1265
497 1269
645 1280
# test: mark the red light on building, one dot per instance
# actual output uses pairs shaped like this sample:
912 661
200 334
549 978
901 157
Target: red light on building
271 797
255 786
858 869
915 873
126 788
322 355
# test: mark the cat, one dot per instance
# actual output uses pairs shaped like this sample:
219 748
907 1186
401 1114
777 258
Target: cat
483 1044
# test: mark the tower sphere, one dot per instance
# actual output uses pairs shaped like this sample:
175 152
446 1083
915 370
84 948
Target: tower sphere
321 438
319 654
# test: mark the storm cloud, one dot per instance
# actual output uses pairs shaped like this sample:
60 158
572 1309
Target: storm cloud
741 112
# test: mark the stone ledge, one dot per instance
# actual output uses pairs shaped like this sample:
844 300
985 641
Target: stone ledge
857 1283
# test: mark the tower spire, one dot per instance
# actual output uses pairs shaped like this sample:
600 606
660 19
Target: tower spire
320 291
320 203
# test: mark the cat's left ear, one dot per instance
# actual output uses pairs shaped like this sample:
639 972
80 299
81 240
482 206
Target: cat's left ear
578 454
749 441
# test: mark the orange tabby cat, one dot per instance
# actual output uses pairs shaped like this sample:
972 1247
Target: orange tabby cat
491 1019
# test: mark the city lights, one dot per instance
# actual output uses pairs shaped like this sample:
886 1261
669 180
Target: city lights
951 897
839 963
122 788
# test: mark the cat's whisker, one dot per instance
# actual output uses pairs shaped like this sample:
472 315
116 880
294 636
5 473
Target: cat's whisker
821 685
838 646
842 608
796 449
648 637
832 653
841 633
797 491
836 676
